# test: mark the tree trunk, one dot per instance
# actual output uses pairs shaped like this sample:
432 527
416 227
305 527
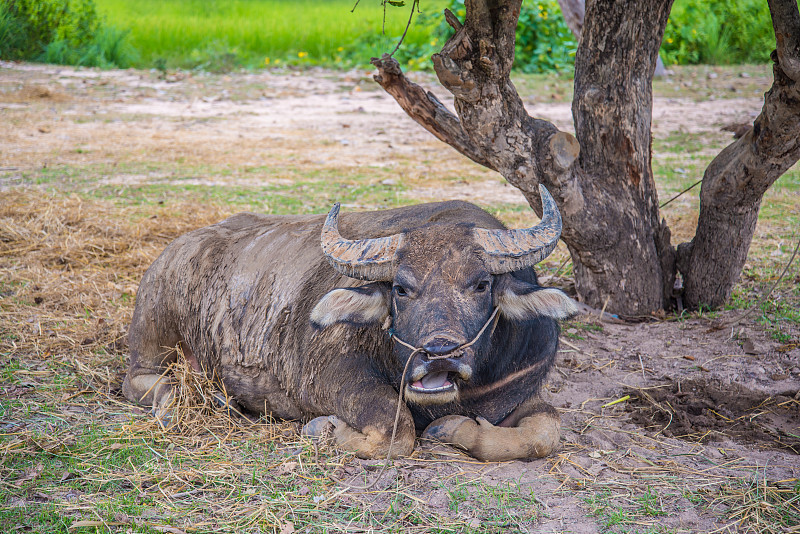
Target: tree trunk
574 12
602 178
736 180
612 109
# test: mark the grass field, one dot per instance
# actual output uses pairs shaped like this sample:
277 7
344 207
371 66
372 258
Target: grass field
102 169
215 34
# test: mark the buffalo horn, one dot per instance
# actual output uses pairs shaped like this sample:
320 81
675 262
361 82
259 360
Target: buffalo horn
512 250
364 259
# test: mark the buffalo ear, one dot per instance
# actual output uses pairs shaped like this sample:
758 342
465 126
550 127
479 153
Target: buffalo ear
519 301
359 306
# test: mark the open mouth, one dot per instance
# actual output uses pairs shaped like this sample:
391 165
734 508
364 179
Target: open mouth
437 382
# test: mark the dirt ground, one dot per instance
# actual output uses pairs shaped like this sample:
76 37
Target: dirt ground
664 421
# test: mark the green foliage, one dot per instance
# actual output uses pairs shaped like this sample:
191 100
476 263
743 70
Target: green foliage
220 36
414 54
108 48
61 31
12 33
544 42
718 32
699 31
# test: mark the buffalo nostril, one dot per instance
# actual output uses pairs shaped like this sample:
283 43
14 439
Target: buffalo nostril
439 347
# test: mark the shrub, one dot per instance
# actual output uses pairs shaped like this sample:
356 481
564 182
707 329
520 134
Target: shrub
13 33
544 42
718 32
62 31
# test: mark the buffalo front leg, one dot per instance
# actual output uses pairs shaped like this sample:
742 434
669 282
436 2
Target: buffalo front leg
535 432
369 443
364 425
150 389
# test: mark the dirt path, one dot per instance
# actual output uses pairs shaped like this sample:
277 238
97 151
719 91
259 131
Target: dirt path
314 119
703 407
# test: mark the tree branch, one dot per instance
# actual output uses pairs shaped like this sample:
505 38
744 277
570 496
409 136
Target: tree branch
736 180
425 108
475 66
492 127
786 23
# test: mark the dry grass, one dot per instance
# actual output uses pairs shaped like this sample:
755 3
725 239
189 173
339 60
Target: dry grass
74 454
759 506
75 450
70 268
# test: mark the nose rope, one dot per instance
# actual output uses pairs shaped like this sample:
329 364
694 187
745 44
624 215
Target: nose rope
448 353
414 351
400 395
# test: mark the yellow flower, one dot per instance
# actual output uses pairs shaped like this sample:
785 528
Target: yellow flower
266 61
302 54
341 48
669 40
277 61
433 43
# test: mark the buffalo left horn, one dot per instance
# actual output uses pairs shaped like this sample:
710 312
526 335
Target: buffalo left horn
364 259
512 250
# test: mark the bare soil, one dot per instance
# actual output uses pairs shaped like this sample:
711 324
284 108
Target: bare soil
702 400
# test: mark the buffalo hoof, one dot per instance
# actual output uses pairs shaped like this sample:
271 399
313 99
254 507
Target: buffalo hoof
444 428
536 436
224 402
316 427
162 415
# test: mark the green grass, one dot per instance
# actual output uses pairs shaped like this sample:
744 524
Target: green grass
219 35
312 190
758 504
574 328
629 512
71 473
497 508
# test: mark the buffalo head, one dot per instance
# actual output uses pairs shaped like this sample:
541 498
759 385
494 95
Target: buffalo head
441 288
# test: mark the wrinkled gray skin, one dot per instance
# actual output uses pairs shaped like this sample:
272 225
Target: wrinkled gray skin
239 297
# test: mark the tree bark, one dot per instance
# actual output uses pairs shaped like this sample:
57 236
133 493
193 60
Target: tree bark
738 177
574 12
602 178
612 109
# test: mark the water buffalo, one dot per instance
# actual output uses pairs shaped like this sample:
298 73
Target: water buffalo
451 309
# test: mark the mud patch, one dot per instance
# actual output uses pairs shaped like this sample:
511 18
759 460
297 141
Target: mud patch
702 411
32 93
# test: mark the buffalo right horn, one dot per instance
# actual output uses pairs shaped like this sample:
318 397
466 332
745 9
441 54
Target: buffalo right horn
364 259
513 250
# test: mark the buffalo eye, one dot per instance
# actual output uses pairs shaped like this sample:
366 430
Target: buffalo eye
482 286
399 290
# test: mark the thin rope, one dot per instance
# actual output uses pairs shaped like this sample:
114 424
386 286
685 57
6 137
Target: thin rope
391 441
458 348
766 296
681 193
